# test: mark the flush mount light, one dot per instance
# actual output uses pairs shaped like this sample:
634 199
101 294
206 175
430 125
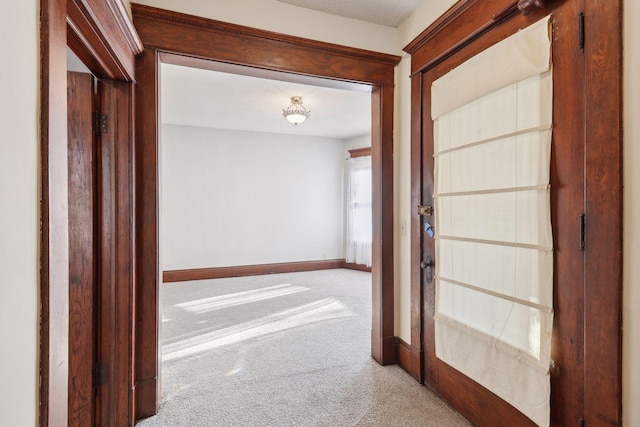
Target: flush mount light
296 113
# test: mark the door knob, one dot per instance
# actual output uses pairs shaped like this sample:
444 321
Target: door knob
427 265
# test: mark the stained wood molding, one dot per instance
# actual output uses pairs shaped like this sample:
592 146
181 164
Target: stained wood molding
102 35
409 359
247 46
491 14
586 348
360 152
165 34
249 270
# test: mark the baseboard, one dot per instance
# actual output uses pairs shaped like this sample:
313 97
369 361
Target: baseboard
409 359
359 267
250 270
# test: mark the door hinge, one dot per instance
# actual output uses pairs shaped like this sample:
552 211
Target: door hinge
425 210
100 374
582 232
581 30
581 422
99 123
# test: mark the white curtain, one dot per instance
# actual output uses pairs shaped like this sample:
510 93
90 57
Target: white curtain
359 213
494 245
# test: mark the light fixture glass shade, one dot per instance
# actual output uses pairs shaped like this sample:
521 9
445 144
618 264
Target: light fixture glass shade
296 113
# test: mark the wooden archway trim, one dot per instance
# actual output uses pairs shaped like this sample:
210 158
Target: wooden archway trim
164 32
599 398
102 35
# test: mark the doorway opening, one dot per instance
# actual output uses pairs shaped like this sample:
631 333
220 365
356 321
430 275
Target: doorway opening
243 193
164 33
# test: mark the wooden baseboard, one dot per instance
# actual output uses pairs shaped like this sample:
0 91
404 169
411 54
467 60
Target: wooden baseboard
359 267
250 270
409 359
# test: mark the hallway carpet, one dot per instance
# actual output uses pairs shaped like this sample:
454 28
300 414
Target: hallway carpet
282 350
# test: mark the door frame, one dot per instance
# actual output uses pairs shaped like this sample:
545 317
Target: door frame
164 34
102 36
465 22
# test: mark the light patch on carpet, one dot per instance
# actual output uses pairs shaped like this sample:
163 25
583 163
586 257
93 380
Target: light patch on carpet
317 311
206 305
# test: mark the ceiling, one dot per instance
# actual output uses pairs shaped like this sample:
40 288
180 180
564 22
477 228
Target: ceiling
223 100
227 99
384 12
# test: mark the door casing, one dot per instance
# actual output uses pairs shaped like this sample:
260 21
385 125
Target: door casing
586 344
102 36
164 33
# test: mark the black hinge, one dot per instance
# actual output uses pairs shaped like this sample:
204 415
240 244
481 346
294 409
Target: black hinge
99 123
100 374
582 227
581 422
581 30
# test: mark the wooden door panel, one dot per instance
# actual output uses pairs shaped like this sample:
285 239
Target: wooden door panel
567 182
82 275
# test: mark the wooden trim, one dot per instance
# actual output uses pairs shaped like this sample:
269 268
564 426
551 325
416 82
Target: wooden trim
54 250
98 30
165 32
409 359
191 36
147 226
382 202
603 254
481 19
360 152
249 270
586 347
353 266
103 36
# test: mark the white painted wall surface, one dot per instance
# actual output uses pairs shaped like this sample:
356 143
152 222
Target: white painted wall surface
241 198
361 141
631 223
19 216
284 18
427 12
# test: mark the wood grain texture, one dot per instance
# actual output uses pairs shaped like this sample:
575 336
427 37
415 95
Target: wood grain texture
191 35
586 350
54 246
91 23
147 273
98 29
249 270
603 255
82 249
409 359
115 232
165 33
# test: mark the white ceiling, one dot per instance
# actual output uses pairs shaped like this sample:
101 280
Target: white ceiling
384 12
221 100
226 100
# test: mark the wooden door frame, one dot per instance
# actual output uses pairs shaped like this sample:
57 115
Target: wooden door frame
101 34
189 38
465 22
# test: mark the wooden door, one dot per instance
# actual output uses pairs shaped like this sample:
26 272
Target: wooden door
478 404
82 249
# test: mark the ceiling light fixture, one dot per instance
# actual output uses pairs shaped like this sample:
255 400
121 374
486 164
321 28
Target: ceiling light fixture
296 113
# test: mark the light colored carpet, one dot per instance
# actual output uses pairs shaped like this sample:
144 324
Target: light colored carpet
282 350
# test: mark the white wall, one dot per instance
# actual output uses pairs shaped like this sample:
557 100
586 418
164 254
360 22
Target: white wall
361 141
234 198
631 224
428 12
19 217
284 18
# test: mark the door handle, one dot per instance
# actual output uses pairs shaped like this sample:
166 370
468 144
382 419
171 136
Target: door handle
427 265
